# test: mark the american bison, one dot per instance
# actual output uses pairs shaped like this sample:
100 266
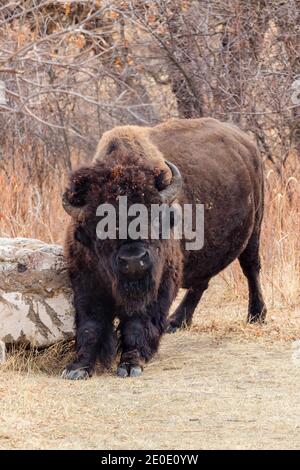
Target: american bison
134 281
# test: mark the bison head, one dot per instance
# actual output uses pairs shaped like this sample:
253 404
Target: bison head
131 269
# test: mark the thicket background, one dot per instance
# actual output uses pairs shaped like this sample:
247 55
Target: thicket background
70 70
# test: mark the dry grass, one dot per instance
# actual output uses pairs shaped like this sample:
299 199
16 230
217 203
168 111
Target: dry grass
280 244
212 394
49 361
230 387
32 210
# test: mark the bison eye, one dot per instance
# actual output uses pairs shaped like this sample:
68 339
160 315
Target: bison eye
82 237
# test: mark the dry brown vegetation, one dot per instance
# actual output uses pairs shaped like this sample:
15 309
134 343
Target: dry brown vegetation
71 70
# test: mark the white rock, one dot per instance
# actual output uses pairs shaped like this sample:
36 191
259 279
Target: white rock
2 352
3 99
35 294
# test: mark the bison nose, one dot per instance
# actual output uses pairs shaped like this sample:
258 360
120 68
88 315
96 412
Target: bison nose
134 264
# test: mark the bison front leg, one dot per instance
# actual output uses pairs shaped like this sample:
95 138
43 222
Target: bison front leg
139 341
140 333
87 343
94 339
95 336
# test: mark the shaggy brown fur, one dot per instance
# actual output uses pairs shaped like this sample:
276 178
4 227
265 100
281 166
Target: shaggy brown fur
221 168
134 141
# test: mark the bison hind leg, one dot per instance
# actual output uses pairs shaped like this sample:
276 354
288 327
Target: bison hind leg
183 315
250 264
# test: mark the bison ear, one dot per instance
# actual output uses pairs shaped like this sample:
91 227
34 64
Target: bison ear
81 236
74 198
80 183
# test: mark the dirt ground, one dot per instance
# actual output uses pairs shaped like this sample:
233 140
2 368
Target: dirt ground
220 385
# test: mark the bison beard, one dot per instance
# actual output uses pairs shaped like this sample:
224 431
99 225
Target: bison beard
220 168
135 295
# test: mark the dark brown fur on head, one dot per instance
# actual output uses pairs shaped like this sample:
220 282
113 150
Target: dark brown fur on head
100 183
88 188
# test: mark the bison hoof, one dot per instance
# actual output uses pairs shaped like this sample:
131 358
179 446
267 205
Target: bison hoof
122 371
135 371
258 317
125 370
75 374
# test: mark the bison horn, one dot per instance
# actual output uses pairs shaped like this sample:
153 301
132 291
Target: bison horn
75 212
169 194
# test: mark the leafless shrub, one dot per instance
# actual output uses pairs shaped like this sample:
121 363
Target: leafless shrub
234 60
71 69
